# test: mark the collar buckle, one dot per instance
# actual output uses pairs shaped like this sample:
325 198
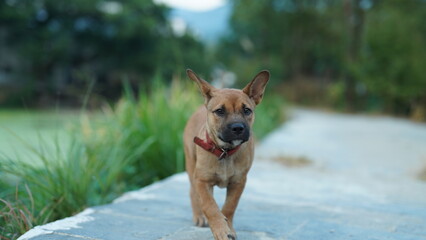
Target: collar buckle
224 154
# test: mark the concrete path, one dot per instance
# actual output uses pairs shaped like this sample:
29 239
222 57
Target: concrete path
319 176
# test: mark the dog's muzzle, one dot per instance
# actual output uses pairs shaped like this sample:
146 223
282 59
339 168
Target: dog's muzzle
235 133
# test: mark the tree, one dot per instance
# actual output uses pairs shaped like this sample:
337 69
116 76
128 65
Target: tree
372 52
291 38
62 46
355 18
394 55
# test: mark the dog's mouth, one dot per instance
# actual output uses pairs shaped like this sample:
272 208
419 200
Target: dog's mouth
232 143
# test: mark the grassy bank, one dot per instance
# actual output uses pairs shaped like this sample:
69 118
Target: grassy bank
127 146
18 126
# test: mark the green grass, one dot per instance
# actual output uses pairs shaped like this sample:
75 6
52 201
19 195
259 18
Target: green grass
160 117
127 146
30 125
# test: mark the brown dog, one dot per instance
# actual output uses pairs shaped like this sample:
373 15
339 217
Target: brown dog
219 150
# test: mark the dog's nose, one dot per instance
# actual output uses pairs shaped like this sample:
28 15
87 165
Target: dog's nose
236 128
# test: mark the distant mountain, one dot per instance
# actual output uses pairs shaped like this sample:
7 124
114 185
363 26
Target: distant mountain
209 26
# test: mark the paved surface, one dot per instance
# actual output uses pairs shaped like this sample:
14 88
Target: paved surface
359 183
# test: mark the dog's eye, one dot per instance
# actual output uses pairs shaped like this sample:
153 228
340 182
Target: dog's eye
220 112
247 111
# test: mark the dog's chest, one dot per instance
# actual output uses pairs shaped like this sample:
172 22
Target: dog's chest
224 173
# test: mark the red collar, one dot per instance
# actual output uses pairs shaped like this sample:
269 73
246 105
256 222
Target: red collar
210 146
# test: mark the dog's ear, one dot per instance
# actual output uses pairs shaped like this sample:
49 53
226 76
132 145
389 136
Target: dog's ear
257 86
205 88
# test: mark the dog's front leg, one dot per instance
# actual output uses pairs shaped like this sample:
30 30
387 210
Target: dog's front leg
233 194
217 221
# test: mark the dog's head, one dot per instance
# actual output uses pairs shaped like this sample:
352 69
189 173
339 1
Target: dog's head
230 112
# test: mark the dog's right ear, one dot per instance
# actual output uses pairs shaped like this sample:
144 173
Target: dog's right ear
205 88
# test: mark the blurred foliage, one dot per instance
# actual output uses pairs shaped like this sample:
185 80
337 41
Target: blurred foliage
55 49
290 38
351 54
160 116
270 113
394 56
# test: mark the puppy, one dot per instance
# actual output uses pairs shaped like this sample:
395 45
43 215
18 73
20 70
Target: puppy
219 150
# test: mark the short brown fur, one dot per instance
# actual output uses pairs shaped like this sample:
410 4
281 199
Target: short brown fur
204 169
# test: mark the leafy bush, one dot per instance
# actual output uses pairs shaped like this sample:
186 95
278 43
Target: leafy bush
269 114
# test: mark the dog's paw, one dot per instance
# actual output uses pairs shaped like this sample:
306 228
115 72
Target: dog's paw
224 235
221 231
231 227
200 221
231 237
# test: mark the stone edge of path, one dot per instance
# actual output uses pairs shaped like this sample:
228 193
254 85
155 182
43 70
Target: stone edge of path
73 222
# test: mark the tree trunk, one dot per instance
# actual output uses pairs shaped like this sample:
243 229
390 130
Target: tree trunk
354 15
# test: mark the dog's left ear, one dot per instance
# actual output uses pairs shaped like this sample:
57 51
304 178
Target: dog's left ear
257 86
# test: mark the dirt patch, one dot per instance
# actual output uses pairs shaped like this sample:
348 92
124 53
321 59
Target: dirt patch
293 161
422 174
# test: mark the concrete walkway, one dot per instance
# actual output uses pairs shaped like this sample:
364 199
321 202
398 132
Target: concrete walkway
350 177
